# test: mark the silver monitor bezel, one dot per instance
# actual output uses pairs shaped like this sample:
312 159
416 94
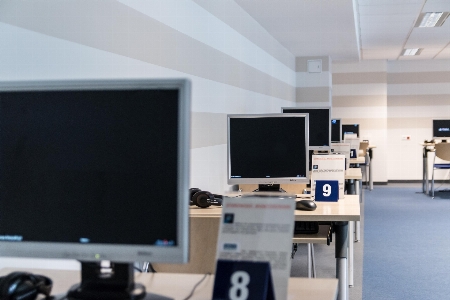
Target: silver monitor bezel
116 252
279 180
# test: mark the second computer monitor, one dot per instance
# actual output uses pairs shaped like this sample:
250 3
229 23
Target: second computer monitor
441 129
319 125
268 149
336 130
350 129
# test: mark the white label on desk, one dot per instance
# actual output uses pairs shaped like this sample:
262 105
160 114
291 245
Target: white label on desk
255 228
328 167
344 149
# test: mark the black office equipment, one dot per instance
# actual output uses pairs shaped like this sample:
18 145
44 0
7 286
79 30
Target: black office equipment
441 129
336 130
268 150
306 227
24 286
309 205
95 171
319 125
350 129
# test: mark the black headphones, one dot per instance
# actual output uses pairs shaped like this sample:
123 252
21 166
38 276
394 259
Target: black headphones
24 286
203 199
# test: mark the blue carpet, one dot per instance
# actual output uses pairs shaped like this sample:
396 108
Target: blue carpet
406 245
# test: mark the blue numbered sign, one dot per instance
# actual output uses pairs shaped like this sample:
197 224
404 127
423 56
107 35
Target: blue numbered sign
242 280
327 190
353 153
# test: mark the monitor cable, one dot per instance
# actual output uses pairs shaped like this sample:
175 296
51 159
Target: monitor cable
195 286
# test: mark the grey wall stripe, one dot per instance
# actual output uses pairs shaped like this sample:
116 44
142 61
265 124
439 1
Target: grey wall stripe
418 77
359 78
313 94
233 15
114 27
208 129
399 123
359 101
418 100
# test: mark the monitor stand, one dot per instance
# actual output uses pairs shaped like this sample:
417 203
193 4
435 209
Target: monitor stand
269 188
116 284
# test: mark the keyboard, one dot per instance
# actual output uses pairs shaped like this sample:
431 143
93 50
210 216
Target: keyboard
306 227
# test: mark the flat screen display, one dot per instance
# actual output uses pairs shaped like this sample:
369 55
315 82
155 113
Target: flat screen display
441 128
265 149
86 169
319 125
336 130
350 129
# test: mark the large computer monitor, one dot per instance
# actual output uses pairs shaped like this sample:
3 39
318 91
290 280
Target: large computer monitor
350 129
319 125
93 171
441 129
336 130
268 149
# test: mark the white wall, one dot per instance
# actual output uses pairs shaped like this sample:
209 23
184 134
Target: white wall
235 66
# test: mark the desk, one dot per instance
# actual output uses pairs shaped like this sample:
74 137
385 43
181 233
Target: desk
178 286
341 212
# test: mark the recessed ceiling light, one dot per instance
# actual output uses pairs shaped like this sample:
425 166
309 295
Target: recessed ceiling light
412 51
432 19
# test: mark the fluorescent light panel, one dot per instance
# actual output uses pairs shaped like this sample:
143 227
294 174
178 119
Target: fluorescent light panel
412 51
432 19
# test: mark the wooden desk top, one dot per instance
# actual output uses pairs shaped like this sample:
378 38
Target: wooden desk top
347 209
358 160
353 173
178 286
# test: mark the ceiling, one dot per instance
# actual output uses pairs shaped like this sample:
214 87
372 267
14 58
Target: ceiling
351 30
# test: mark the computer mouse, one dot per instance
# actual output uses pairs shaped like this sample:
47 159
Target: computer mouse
305 205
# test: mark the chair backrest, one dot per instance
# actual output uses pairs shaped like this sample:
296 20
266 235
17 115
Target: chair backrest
364 146
443 151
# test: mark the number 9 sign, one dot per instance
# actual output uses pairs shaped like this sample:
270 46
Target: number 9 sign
327 190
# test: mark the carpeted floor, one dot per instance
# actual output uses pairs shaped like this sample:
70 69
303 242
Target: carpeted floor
406 244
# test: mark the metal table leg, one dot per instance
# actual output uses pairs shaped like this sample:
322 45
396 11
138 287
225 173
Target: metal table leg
351 227
341 245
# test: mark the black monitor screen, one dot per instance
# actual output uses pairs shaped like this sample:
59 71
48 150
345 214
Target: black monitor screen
319 125
350 129
335 130
267 149
90 167
441 128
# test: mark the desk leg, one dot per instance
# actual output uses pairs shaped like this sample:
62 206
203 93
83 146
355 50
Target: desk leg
351 187
351 228
370 176
359 191
341 245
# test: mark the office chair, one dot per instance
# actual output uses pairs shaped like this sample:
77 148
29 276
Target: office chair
442 151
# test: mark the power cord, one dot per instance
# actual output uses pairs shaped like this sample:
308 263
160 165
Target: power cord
195 286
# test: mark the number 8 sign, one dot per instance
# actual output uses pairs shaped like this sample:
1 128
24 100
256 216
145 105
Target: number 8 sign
327 190
243 280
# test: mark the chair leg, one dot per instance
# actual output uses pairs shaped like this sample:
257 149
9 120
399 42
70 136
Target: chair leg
432 184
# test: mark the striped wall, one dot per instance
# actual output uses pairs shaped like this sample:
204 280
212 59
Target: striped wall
360 97
418 91
392 99
313 89
235 66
